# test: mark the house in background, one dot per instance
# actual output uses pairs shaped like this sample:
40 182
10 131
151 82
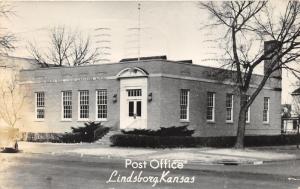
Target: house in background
286 110
291 124
17 63
147 93
296 103
288 120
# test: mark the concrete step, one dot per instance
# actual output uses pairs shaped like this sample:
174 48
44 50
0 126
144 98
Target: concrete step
105 139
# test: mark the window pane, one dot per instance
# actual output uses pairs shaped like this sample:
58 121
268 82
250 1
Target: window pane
40 105
131 108
138 108
210 106
40 113
102 104
266 109
134 92
67 104
84 104
229 107
209 113
184 103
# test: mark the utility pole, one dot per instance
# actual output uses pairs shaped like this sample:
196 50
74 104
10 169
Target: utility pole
134 37
139 31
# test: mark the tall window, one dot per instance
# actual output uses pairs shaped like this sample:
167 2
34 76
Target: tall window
229 107
266 110
184 104
248 111
83 104
101 104
40 105
66 105
210 114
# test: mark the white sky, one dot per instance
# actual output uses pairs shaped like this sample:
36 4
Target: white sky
168 28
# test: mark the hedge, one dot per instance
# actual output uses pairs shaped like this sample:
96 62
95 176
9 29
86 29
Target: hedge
275 140
40 137
162 131
90 132
129 140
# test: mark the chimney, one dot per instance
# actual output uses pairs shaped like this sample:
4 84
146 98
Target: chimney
269 47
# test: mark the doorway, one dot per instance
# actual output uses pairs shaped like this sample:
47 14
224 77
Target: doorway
133 103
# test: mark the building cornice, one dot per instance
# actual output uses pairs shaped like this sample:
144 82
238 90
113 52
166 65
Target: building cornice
172 76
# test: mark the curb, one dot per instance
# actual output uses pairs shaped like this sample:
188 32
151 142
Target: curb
227 162
224 161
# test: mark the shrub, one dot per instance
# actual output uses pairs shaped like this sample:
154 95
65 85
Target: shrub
162 131
126 140
130 140
100 132
91 132
71 138
217 142
40 137
275 140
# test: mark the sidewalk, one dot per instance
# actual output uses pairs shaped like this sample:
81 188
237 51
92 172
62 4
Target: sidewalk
204 156
278 163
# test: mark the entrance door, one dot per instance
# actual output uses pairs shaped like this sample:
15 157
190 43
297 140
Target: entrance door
134 118
135 109
133 103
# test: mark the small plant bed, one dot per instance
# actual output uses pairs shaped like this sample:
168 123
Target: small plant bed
155 139
163 131
130 140
165 137
41 137
90 132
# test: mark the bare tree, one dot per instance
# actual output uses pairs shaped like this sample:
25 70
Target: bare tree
245 26
60 45
37 55
11 99
6 39
83 53
66 48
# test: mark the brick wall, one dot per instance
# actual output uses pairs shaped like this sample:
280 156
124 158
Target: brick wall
165 80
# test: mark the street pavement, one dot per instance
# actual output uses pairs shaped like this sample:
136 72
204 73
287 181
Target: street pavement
42 171
63 166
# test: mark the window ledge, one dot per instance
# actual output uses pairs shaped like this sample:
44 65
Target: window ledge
266 123
83 120
39 120
101 120
184 121
229 122
66 120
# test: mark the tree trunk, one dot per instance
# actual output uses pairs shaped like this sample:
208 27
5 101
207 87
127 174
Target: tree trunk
241 122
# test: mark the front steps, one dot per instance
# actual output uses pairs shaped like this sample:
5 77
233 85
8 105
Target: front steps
105 139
